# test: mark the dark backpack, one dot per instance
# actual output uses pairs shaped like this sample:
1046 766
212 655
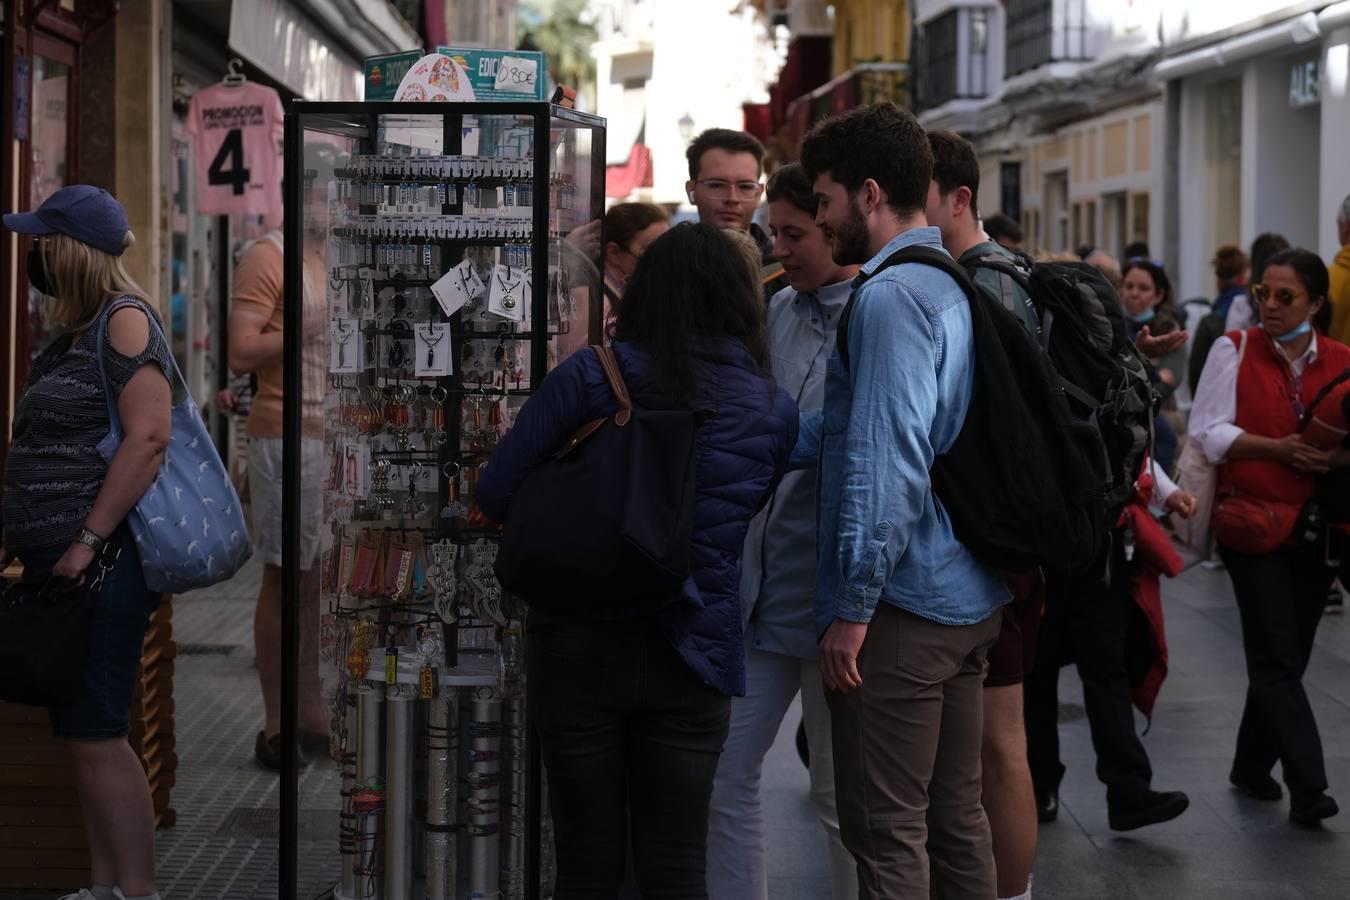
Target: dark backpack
1023 480
1108 381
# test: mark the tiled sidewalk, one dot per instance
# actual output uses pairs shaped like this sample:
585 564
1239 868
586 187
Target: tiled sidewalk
1224 846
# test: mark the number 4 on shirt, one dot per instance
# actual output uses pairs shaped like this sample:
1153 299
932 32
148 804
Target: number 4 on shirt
232 153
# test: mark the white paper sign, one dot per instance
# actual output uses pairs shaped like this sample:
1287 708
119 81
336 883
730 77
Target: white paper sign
517 75
457 287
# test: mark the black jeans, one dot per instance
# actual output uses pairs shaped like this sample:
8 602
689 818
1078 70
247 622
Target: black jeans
1281 597
1087 621
630 740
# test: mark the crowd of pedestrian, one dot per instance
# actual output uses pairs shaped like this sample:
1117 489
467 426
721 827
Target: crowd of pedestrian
827 556
832 569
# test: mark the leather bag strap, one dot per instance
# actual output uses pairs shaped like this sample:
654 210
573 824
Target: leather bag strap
610 363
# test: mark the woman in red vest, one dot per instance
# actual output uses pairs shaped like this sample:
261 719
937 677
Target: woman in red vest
1251 397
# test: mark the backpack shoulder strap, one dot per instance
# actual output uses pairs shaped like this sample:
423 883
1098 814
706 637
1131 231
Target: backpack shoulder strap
927 256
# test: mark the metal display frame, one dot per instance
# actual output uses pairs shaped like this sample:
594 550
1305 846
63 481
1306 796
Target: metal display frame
360 122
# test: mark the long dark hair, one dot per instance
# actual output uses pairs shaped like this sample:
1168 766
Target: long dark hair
1161 283
1312 274
691 283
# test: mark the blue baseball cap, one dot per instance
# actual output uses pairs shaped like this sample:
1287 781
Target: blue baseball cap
88 214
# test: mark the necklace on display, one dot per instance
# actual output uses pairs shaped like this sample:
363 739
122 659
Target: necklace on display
509 300
343 340
432 345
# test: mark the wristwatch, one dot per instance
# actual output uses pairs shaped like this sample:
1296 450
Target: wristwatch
89 539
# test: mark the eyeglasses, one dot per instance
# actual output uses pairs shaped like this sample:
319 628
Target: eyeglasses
1286 297
718 189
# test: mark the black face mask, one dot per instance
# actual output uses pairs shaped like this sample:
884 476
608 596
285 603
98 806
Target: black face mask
37 272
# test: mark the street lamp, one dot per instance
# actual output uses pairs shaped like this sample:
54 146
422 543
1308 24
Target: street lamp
686 127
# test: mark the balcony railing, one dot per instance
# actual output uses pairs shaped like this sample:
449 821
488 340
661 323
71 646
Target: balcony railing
1043 31
863 84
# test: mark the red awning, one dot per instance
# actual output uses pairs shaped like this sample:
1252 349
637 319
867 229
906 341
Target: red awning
620 181
758 120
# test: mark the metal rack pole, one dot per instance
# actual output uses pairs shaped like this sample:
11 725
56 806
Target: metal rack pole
442 839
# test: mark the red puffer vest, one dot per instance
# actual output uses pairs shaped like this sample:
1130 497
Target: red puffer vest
1266 407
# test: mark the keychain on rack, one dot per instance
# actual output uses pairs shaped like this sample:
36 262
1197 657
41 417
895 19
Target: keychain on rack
442 580
453 509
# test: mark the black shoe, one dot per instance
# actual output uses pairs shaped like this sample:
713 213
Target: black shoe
1258 787
268 752
1310 810
1047 806
1150 809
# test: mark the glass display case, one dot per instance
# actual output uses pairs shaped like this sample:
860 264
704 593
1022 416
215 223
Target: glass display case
440 260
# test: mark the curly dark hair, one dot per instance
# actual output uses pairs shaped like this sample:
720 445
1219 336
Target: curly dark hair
691 283
722 139
882 142
1161 283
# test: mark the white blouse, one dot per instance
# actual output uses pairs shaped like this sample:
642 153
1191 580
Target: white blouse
1215 408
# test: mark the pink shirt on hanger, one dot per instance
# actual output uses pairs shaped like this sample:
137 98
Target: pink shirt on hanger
236 148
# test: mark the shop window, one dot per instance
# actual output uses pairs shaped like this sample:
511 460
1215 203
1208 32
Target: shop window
1043 31
1139 214
1010 189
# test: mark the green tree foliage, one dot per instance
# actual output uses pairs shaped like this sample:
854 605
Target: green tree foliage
562 30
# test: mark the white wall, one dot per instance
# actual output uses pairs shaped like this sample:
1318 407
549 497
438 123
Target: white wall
1335 139
1281 152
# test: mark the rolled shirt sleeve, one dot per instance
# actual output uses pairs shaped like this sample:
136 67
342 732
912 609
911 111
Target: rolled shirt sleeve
1215 408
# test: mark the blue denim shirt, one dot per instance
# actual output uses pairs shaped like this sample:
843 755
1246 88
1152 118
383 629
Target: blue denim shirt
883 534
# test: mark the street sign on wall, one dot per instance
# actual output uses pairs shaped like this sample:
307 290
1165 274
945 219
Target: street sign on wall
1305 83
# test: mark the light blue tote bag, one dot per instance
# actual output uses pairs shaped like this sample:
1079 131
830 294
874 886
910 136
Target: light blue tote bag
189 526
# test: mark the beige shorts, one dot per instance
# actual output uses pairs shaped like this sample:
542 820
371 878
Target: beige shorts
264 486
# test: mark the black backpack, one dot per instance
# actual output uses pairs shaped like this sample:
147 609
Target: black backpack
1023 482
1108 381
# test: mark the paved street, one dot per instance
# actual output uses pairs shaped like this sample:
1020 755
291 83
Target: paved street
1224 846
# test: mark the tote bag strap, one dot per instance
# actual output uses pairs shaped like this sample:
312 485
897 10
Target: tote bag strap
100 334
610 363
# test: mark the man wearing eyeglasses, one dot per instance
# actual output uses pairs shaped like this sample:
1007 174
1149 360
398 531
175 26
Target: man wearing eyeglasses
725 167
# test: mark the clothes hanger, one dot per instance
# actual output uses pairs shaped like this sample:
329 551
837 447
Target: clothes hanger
234 74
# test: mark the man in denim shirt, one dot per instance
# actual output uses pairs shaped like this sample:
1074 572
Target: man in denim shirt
907 614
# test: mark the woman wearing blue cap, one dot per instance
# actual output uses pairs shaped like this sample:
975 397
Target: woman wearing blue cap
62 503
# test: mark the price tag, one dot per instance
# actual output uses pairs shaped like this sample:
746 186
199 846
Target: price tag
391 665
517 75
427 679
457 287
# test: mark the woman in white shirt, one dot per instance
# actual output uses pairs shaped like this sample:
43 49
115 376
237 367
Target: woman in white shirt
1255 389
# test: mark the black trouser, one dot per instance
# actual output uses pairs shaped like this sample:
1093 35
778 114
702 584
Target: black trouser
1281 597
630 738
1087 621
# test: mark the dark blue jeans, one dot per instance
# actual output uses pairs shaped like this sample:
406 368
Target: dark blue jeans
629 737
112 657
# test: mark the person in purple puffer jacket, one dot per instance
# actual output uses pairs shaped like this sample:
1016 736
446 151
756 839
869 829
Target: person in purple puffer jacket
633 708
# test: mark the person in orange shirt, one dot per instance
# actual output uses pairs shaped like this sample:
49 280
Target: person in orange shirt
255 332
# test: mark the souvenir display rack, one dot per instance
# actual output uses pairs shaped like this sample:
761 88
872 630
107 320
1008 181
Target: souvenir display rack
458 246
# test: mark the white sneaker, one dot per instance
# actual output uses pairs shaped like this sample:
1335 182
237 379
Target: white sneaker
81 894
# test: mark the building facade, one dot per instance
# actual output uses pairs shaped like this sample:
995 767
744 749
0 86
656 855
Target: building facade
664 73
1058 99
1257 125
98 92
